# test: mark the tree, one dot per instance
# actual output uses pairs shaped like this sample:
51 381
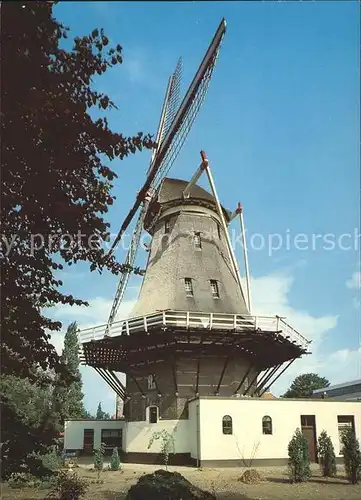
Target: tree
326 455
351 455
68 400
100 414
298 462
305 384
56 186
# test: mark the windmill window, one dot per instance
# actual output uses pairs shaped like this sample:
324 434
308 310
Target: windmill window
189 287
214 289
267 425
153 414
197 241
219 231
151 382
227 426
167 227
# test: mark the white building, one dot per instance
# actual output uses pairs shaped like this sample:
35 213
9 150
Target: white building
222 431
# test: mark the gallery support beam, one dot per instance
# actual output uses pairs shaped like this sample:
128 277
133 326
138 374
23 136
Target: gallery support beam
244 378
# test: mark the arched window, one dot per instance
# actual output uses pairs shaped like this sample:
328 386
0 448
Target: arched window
227 426
267 425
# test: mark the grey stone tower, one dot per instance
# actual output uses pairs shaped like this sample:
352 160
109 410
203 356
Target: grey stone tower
188 269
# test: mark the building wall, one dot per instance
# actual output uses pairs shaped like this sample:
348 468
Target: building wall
247 440
138 435
74 431
201 437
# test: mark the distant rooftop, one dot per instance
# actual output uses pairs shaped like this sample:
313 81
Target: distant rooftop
338 386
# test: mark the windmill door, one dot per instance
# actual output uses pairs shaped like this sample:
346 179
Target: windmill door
308 427
88 441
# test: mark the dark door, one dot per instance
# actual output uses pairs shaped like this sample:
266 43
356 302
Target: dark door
88 441
308 426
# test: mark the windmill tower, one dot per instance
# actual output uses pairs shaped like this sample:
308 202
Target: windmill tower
191 332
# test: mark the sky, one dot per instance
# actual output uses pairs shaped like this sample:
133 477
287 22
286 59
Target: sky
281 128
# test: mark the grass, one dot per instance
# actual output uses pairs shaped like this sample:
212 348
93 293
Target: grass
224 483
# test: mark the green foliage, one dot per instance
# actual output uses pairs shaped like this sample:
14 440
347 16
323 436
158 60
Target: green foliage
351 455
23 441
51 460
68 486
304 385
55 182
18 480
99 459
115 460
100 414
68 399
298 462
326 455
167 444
55 177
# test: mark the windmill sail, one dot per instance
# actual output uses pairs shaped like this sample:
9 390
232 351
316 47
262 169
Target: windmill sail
174 139
174 126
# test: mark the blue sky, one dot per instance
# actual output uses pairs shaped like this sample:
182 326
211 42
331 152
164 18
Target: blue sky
280 126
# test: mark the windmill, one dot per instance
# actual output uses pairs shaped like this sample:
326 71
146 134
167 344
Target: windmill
192 332
174 125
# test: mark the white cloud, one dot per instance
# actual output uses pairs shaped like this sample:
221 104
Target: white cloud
271 296
355 281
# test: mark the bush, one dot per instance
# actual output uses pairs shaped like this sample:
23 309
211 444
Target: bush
52 460
115 460
22 480
326 454
351 455
298 462
68 486
99 459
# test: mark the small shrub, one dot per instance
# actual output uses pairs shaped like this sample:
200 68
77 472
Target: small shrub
298 462
99 459
68 486
52 460
22 480
351 455
326 454
167 444
115 460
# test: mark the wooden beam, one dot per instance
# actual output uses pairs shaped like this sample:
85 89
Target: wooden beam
222 374
244 378
174 374
250 385
282 371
